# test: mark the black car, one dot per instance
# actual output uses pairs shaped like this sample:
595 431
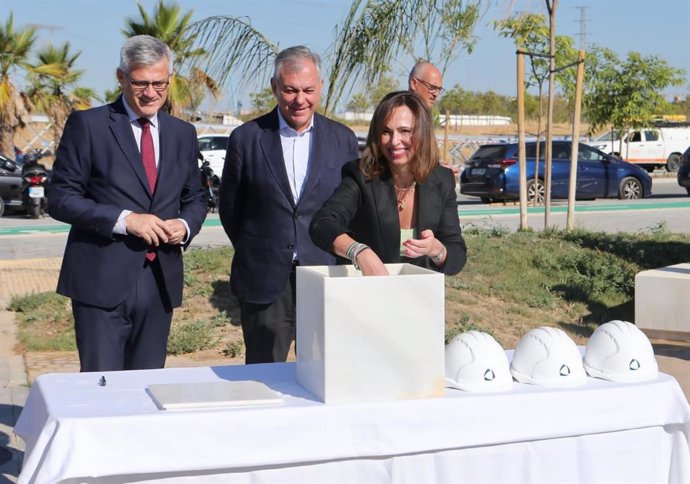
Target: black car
10 184
684 170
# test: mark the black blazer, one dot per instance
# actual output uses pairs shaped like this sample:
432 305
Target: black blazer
367 210
257 208
98 173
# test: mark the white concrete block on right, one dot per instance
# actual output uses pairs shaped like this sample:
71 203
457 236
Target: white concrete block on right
662 302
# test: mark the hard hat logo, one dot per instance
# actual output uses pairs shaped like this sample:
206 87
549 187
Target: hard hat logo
475 362
548 357
620 351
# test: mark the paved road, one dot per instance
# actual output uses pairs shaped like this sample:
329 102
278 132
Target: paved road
669 209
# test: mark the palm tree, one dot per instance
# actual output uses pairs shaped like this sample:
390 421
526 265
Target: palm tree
50 80
372 34
189 84
15 46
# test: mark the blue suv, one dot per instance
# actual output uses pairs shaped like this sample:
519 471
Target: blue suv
493 173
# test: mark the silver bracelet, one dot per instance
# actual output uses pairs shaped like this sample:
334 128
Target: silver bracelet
353 251
439 257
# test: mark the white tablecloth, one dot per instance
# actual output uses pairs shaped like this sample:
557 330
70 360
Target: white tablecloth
78 431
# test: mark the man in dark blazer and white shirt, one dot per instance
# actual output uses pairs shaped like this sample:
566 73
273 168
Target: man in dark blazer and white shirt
279 169
122 265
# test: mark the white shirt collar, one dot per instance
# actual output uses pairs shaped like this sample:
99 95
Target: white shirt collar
282 124
133 116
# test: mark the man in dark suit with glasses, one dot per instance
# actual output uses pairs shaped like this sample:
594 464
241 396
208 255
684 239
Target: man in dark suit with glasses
126 179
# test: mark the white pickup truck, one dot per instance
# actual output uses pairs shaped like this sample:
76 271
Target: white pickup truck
650 147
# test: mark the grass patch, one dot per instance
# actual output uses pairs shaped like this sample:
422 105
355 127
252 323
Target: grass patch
512 282
190 337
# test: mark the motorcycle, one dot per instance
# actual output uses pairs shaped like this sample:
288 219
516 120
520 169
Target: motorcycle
210 182
34 177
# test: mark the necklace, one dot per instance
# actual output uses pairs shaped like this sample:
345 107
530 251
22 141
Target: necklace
402 194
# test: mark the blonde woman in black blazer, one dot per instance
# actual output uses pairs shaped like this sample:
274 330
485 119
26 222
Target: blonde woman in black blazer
395 204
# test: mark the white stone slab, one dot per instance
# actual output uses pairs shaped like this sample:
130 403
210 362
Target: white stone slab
370 338
662 301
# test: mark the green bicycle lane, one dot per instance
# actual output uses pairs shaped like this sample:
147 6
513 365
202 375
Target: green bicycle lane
491 210
464 210
60 228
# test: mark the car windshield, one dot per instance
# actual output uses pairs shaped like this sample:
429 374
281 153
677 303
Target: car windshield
606 136
489 152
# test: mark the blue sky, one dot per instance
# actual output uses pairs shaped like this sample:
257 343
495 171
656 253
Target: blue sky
94 27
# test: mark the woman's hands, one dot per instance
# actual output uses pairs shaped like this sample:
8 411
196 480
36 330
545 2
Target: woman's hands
426 245
370 264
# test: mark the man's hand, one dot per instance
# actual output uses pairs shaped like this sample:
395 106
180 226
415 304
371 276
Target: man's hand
153 230
176 231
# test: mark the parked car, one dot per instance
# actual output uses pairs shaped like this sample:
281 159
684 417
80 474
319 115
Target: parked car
213 147
657 146
492 173
10 184
684 170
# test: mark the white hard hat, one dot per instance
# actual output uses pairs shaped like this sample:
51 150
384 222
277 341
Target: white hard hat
475 362
547 356
619 351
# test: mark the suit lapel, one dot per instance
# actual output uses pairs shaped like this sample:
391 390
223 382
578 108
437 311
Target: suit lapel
389 221
428 201
317 157
166 144
273 155
122 131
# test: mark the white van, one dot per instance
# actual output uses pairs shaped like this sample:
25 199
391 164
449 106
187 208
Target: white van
655 147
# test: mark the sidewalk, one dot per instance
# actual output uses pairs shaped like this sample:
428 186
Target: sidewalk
18 369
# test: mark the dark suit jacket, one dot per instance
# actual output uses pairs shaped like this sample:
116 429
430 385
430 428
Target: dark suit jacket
257 208
97 173
367 210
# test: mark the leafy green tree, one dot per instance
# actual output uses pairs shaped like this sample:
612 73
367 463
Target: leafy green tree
446 27
359 103
189 83
384 85
53 86
262 101
530 32
15 47
372 33
626 94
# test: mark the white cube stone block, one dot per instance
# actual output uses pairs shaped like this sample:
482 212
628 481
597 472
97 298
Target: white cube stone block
662 302
365 339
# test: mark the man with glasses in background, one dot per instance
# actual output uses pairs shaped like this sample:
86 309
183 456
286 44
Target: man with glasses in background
126 178
427 81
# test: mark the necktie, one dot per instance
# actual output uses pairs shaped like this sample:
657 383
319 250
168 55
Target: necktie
148 156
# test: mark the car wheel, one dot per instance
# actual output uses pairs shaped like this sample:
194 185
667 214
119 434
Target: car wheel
486 199
673 163
630 189
535 189
688 189
2 207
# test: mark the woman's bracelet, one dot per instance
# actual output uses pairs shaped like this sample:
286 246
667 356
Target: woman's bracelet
353 251
438 258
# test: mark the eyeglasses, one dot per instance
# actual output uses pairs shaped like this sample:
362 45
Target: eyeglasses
158 86
432 89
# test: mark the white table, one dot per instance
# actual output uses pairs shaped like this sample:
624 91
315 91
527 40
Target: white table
78 431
